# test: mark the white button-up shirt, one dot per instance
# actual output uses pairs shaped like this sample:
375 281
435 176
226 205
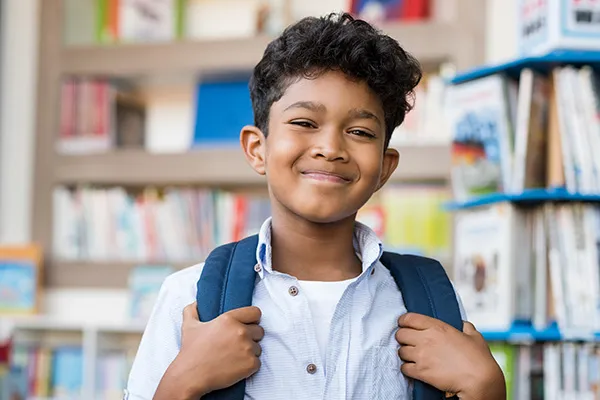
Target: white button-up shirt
361 356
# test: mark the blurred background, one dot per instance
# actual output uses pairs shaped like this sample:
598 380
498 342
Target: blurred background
120 164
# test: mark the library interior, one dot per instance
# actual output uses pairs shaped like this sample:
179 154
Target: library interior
100 204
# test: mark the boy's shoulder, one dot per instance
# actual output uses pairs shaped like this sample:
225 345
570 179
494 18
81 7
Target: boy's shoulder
181 284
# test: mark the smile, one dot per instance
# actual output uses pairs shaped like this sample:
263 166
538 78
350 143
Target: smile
325 176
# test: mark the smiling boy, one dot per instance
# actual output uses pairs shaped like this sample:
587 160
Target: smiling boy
327 320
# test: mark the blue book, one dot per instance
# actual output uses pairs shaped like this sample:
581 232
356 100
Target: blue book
223 108
67 372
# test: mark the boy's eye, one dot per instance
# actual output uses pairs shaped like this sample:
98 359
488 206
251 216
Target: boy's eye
304 124
360 132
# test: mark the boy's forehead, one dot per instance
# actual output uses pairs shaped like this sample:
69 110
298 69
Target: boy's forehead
329 90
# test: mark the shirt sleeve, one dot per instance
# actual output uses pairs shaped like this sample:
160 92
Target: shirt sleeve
461 307
161 340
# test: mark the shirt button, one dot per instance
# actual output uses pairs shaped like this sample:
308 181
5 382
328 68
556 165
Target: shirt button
311 368
293 291
257 268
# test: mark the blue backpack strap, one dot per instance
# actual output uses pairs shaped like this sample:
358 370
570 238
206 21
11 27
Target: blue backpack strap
426 289
226 283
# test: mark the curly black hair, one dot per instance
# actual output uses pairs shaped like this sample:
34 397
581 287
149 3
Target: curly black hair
338 42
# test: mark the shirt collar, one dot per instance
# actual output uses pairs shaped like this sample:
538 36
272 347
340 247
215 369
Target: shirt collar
367 245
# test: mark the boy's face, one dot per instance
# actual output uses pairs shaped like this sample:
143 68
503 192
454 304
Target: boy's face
324 154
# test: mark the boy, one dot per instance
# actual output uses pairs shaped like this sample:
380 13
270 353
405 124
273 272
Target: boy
327 320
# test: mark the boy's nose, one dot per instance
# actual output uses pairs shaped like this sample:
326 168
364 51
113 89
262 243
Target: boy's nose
330 146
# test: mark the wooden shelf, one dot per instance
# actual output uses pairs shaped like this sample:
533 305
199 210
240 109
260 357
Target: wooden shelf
97 274
42 323
217 167
207 167
430 42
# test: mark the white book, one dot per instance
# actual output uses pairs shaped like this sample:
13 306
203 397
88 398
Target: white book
571 168
523 384
540 315
570 269
484 266
65 234
222 19
552 372
147 20
577 133
590 107
569 371
169 120
591 220
584 389
555 266
522 128
587 269
531 132
524 266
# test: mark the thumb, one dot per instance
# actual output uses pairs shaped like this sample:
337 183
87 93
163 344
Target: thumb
190 313
468 327
469 330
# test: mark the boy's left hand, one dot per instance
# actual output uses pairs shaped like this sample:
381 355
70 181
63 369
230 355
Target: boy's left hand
452 361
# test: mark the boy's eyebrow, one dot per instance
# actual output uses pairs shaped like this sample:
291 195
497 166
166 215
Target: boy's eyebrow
309 105
359 113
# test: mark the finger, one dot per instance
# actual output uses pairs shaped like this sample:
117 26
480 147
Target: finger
408 354
469 328
408 336
190 313
417 321
410 370
256 332
257 349
246 315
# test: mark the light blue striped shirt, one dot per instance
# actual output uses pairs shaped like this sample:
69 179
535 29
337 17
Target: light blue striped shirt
361 355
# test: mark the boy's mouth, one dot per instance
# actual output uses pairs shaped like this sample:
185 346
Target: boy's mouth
326 176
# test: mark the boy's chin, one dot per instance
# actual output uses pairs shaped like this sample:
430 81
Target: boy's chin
321 216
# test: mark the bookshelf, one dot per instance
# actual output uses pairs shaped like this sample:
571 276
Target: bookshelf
460 41
92 338
526 260
217 167
239 55
531 198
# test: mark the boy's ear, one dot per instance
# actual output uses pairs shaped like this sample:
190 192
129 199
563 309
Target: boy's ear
252 141
390 162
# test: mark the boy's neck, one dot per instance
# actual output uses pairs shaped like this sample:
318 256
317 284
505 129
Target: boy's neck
311 251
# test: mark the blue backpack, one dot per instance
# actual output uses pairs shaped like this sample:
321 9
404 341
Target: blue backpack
228 278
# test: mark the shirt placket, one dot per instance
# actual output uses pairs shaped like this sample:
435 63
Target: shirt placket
340 337
310 366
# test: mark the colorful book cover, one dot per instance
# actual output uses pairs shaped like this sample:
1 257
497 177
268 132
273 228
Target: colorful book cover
222 109
377 10
20 278
144 284
67 372
480 122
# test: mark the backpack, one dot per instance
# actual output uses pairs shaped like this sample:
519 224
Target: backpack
228 278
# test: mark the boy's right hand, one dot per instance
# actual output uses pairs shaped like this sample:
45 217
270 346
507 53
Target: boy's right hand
216 354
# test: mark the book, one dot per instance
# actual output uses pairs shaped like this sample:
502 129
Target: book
20 279
144 284
531 132
481 127
484 265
